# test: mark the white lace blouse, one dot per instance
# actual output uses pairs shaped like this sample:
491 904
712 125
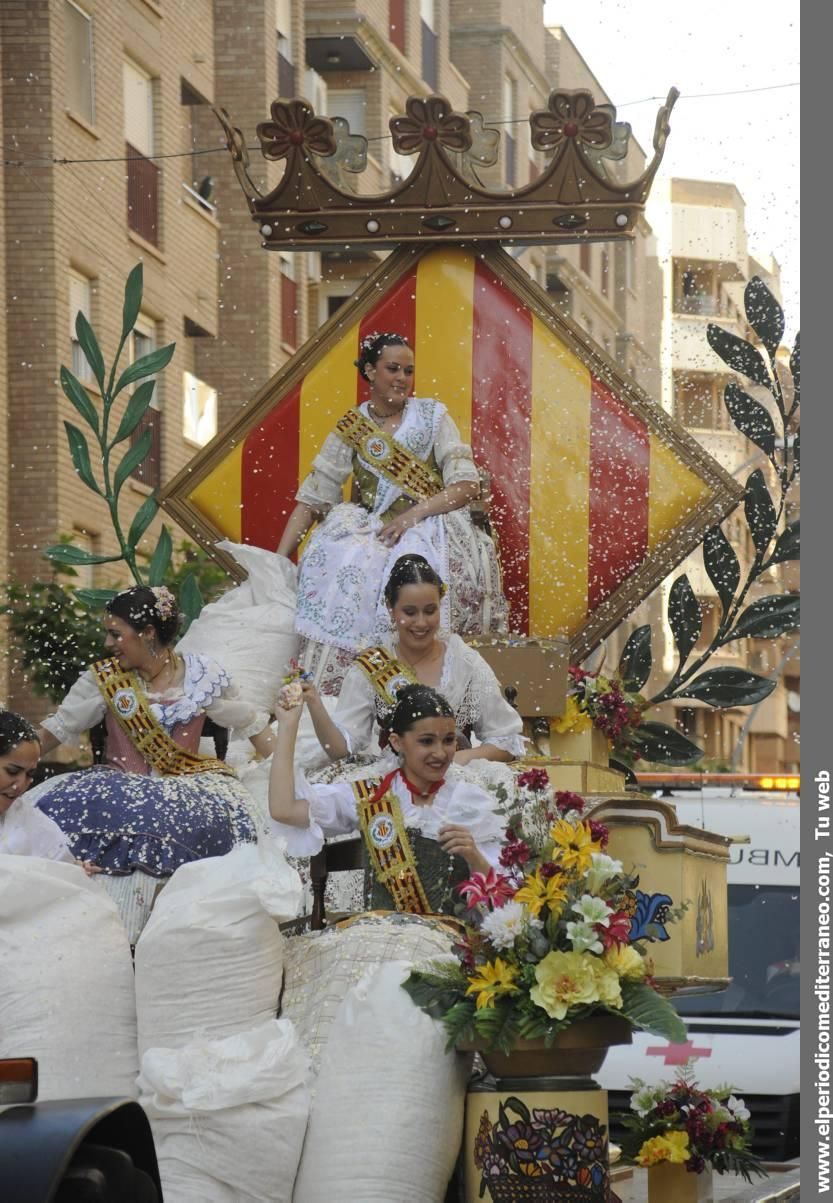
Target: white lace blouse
332 812
205 689
467 683
426 424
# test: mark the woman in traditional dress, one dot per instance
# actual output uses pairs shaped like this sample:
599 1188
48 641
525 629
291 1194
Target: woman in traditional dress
24 831
157 802
422 834
413 479
414 653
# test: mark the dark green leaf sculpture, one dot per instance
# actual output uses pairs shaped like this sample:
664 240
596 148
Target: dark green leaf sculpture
722 687
99 463
662 744
721 564
750 417
788 545
684 616
760 512
740 355
768 618
766 317
635 661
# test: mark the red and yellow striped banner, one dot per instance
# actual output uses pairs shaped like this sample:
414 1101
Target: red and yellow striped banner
586 490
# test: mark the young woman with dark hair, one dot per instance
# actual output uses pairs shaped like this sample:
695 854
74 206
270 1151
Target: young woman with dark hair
414 653
413 481
156 802
442 831
24 831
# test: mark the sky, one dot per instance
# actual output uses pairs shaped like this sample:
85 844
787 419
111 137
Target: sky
641 49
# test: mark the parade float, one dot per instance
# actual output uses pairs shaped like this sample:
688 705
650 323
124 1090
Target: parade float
595 495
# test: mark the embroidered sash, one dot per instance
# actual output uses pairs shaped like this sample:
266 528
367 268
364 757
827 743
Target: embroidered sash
124 696
385 673
388 847
390 459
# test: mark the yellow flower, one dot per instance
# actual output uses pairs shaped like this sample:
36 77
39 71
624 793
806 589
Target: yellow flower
573 720
564 980
492 980
673 1147
626 962
574 846
539 892
607 983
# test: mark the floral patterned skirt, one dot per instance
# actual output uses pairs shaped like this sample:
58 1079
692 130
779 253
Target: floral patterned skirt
127 821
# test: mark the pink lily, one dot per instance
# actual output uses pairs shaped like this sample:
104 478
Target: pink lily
491 888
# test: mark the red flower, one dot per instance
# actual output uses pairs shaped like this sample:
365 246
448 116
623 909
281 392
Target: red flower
492 888
516 852
578 674
566 801
534 779
598 831
617 931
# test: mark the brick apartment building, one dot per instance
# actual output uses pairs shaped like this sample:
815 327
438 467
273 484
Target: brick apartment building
123 89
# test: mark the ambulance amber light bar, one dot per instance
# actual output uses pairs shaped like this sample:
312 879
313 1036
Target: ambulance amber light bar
786 783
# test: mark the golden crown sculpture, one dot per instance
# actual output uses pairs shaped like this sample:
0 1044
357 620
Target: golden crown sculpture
575 197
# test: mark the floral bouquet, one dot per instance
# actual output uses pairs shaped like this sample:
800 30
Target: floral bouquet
679 1123
558 935
603 702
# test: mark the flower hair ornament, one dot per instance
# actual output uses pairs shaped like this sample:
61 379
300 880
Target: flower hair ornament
369 339
166 606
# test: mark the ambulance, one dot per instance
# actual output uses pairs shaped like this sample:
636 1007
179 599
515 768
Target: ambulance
747 1035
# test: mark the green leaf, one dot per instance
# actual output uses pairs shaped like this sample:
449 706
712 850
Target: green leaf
144 516
65 553
768 617
79 397
135 410
651 1012
766 317
788 546
724 687
662 744
635 661
148 365
750 417
721 564
190 600
80 453
685 617
95 598
161 559
132 459
89 345
740 355
132 300
760 512
795 367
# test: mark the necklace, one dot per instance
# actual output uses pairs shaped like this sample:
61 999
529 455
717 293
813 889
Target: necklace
171 662
425 657
395 413
415 792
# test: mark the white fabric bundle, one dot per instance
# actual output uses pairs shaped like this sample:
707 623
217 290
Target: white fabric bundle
66 980
251 629
229 1116
387 1120
210 960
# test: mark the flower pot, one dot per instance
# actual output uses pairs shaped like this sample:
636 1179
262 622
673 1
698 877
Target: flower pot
537 1129
579 1049
667 1183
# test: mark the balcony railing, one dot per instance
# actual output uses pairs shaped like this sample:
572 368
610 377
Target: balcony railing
699 306
142 195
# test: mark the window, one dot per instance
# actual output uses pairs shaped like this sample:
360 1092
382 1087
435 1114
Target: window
585 258
84 573
199 410
80 88
587 322
696 289
509 90
141 342
698 400
80 295
286 59
630 265
196 180
396 23
142 173
427 21
289 301
352 105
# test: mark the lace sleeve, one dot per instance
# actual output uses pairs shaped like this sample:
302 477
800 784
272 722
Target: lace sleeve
322 489
332 811
81 709
453 456
497 723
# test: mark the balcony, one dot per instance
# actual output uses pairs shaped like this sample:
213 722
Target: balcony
711 232
142 195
